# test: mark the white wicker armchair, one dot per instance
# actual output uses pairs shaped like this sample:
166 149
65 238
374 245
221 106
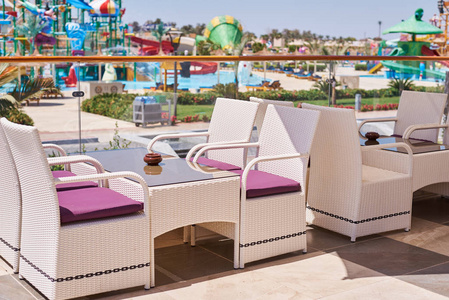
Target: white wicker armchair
10 206
273 224
75 258
11 201
232 122
347 196
416 108
263 104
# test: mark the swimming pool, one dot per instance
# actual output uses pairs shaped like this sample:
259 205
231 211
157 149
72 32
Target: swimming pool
194 82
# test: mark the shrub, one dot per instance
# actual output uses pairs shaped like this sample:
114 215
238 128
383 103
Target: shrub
19 117
360 67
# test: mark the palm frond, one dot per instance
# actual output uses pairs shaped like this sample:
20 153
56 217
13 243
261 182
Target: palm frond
7 102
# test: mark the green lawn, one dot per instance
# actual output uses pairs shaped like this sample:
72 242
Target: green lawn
191 110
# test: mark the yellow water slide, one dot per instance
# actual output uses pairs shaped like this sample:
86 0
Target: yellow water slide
375 69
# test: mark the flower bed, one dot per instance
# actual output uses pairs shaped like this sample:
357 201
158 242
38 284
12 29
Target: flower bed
367 107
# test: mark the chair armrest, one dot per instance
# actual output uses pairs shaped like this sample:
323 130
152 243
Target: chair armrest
265 158
376 121
199 146
66 160
55 147
408 132
391 145
174 136
106 176
223 146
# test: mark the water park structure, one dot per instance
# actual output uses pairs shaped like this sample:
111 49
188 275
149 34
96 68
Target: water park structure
416 46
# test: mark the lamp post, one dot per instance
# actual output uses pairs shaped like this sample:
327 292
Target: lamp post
380 25
444 13
175 46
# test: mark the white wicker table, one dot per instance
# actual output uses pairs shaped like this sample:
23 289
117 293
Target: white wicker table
179 194
430 162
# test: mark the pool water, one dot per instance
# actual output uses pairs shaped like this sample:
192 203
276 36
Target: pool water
194 82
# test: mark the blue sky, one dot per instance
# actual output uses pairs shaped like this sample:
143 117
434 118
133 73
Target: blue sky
357 18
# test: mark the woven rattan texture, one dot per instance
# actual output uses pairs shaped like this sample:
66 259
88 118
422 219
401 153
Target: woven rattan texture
343 192
60 260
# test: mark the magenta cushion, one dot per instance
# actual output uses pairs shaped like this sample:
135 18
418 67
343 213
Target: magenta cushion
216 164
263 184
73 185
94 203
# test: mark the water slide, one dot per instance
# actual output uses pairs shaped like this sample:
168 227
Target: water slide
150 47
401 68
375 68
206 68
429 52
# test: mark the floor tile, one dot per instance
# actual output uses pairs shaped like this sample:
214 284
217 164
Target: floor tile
188 262
389 257
322 239
434 279
321 275
387 289
11 289
433 208
425 235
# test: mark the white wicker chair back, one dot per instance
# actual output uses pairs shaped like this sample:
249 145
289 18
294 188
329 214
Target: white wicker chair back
298 129
420 108
232 120
263 103
38 194
335 160
10 205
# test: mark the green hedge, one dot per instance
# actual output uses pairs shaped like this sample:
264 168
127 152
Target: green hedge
360 67
119 106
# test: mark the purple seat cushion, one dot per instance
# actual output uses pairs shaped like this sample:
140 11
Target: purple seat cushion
73 185
263 184
216 164
94 203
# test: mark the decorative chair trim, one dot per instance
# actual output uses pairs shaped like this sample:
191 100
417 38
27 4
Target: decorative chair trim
88 275
278 238
361 221
9 245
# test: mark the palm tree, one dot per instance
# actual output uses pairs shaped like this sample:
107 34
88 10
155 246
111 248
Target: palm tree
159 33
274 34
31 28
314 47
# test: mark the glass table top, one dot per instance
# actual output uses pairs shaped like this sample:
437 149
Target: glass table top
169 171
417 146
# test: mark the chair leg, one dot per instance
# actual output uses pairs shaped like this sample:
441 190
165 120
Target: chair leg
236 245
353 239
186 234
193 235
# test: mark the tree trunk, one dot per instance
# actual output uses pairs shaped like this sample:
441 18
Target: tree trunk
334 94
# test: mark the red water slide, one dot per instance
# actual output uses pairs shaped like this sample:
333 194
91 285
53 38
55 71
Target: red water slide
429 52
151 47
206 68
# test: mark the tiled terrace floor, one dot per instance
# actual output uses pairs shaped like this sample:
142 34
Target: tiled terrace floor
396 265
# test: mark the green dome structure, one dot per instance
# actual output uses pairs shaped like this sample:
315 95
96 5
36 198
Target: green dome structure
225 31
